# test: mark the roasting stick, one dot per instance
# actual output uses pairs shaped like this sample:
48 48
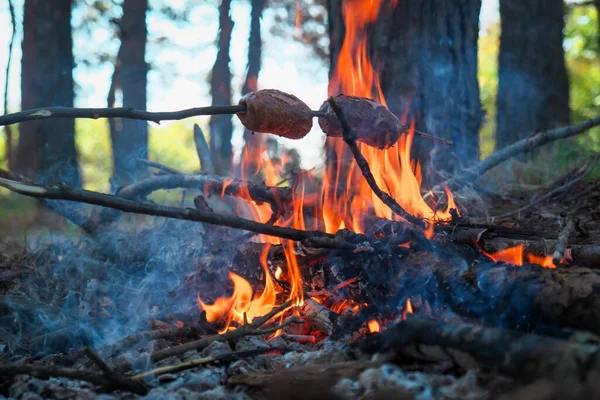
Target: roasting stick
121 112
266 111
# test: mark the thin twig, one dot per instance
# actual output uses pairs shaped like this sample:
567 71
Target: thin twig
350 138
119 112
221 358
251 329
116 380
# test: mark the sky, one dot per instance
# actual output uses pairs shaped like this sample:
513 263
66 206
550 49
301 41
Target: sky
179 79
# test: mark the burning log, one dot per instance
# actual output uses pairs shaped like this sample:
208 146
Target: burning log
373 123
527 298
273 111
523 356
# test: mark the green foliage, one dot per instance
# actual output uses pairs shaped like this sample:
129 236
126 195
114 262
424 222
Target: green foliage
489 43
583 66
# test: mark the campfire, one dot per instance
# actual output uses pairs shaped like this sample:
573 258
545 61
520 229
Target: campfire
361 279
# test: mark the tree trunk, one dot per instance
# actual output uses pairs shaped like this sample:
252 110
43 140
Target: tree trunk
429 68
130 137
221 126
426 53
254 47
46 149
533 88
252 141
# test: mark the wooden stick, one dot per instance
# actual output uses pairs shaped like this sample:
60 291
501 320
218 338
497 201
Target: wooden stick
245 330
122 112
222 358
63 192
520 147
349 137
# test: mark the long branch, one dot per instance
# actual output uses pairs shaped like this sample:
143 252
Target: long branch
121 112
212 184
63 192
522 146
349 136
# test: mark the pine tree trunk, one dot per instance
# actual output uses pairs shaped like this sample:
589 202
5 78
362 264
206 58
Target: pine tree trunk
428 56
46 149
130 137
426 53
252 141
533 88
221 126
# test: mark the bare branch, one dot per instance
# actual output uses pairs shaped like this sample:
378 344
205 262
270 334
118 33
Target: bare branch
122 112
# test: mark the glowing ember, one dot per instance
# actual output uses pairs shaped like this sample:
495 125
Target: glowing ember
373 326
241 304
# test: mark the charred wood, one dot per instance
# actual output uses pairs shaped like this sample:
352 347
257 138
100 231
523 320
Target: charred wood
523 356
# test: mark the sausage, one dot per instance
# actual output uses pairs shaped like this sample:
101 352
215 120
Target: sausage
373 123
273 111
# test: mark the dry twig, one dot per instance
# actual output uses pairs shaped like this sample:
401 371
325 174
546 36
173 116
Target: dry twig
251 329
122 112
63 192
350 139
221 358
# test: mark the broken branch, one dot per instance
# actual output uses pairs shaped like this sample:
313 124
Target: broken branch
349 136
520 147
63 192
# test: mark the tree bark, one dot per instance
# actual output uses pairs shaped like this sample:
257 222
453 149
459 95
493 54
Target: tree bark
46 149
221 126
533 87
428 59
130 137
252 141
426 53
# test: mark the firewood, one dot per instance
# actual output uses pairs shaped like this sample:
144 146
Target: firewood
374 124
273 111
525 357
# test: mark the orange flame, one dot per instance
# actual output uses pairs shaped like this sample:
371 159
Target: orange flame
512 255
545 261
392 168
241 304
373 326
516 255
